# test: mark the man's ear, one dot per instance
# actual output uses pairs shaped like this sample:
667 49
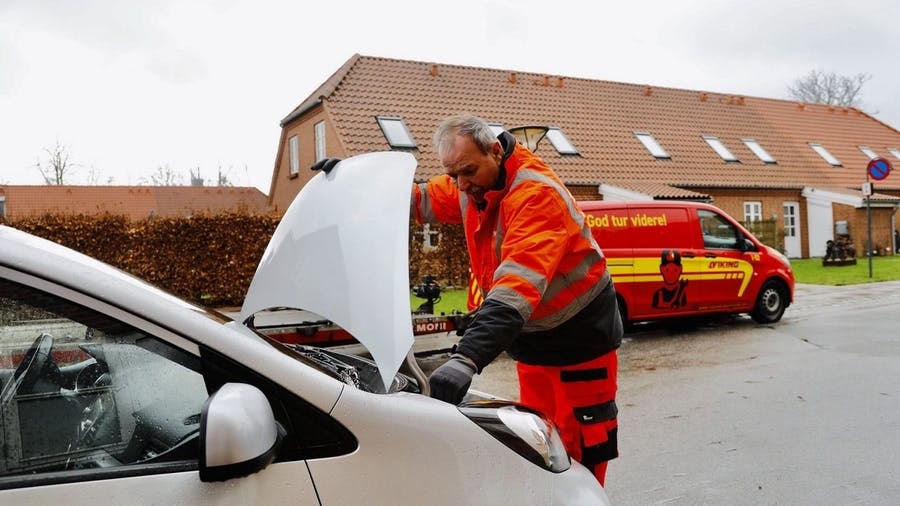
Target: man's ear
497 151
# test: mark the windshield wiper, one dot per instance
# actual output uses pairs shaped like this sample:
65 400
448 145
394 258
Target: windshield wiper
344 371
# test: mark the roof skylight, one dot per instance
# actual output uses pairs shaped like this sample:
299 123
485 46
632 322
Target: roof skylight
395 131
652 146
868 151
720 148
828 157
497 128
758 150
561 142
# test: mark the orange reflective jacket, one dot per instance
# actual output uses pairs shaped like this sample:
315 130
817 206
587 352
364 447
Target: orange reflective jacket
529 247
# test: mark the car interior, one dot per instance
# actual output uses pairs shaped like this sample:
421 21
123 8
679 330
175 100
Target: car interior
81 391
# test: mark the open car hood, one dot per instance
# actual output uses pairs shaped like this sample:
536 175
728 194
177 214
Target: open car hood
341 251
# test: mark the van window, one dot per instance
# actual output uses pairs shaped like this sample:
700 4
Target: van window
718 233
655 227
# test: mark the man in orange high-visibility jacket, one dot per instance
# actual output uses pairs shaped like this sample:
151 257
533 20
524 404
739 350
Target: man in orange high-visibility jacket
548 298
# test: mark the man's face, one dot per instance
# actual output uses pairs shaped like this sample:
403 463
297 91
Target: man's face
475 172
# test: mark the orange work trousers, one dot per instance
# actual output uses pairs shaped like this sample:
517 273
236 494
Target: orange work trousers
581 400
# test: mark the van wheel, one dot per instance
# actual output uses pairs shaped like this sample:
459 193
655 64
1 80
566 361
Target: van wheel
770 303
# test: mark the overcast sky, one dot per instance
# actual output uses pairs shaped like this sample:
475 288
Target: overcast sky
130 86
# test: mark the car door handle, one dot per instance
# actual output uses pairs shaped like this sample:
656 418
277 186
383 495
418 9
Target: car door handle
687 254
710 255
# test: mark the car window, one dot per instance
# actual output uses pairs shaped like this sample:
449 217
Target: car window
718 233
81 392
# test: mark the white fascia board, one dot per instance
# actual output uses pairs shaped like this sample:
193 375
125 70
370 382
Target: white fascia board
830 197
611 192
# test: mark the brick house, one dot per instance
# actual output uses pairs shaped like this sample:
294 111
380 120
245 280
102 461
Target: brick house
135 202
802 165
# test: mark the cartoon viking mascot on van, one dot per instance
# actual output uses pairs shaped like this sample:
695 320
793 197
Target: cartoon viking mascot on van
672 294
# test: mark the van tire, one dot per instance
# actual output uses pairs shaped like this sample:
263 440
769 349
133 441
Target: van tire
770 303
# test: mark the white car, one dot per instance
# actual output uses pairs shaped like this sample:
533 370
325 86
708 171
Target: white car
115 392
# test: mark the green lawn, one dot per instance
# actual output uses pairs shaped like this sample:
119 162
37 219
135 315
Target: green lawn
810 270
450 300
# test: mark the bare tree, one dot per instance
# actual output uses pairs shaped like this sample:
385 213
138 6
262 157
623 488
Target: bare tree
822 87
57 167
166 176
196 180
95 175
163 176
223 179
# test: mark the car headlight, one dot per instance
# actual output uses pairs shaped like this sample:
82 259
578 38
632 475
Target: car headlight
523 430
780 257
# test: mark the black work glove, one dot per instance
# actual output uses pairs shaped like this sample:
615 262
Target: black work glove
325 164
451 380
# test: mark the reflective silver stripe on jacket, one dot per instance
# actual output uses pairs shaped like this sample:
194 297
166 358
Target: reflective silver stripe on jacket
574 213
571 309
514 298
560 281
463 204
426 211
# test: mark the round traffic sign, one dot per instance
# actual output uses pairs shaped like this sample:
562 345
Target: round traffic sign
879 168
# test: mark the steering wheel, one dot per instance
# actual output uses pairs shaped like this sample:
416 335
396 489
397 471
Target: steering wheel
29 369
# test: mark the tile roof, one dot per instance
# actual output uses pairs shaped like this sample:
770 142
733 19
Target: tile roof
600 118
136 202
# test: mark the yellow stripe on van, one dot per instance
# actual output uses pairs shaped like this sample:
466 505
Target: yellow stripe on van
646 269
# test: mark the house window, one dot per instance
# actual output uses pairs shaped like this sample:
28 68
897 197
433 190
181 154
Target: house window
561 142
395 131
320 140
758 150
868 151
752 211
295 155
790 220
2 207
497 128
720 148
652 146
828 157
895 152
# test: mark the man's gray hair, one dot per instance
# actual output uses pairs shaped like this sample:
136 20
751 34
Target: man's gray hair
464 124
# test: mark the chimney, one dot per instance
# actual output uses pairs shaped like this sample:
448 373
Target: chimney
512 77
434 70
703 96
648 91
559 82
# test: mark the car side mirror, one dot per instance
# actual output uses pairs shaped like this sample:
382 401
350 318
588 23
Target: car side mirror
238 433
747 244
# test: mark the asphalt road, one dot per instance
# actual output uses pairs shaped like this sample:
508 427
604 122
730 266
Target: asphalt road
805 411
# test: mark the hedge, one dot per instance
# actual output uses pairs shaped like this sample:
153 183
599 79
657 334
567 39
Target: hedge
211 259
